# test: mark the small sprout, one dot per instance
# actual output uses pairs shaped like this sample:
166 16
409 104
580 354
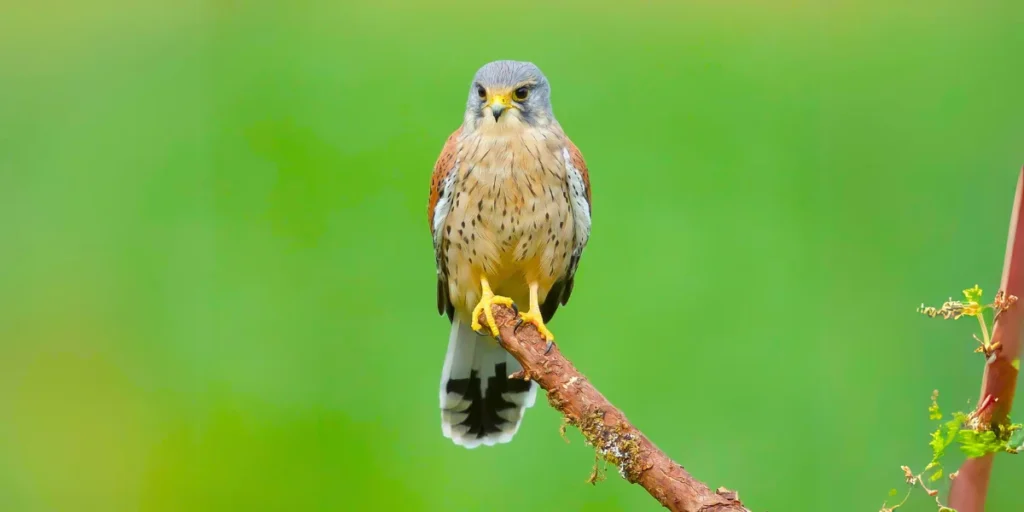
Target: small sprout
894 492
973 294
596 473
1002 302
991 350
908 475
934 413
971 309
972 301
977 434
561 430
1015 440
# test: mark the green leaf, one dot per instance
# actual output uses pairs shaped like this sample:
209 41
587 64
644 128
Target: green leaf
936 476
939 441
1016 364
978 444
938 445
1016 440
973 294
893 492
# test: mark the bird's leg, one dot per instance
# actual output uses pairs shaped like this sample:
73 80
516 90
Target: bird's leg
488 298
534 316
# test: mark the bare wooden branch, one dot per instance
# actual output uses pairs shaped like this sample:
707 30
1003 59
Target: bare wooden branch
606 428
970 487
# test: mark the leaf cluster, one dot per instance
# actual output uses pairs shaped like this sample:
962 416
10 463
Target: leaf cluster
974 437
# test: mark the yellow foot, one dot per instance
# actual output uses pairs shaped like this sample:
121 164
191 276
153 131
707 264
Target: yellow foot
484 305
531 317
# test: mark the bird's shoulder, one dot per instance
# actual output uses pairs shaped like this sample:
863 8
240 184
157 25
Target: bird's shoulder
444 166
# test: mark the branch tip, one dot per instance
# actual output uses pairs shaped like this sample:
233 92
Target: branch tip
614 438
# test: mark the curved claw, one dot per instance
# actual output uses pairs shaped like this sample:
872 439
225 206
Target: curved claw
485 307
538 321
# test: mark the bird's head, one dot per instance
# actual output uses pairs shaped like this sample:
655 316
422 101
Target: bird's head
506 92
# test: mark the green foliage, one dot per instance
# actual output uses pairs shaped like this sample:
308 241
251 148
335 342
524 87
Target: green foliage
975 437
938 445
973 295
1016 441
943 436
978 444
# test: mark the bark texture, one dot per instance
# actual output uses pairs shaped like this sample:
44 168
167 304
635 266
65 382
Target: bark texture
605 427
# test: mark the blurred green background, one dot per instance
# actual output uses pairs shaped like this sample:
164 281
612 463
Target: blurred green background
218 282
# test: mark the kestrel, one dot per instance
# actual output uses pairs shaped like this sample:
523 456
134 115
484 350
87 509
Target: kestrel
509 212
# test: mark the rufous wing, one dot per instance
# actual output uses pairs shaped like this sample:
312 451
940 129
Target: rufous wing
578 181
441 185
576 159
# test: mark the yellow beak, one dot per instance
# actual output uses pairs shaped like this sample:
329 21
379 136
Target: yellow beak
498 104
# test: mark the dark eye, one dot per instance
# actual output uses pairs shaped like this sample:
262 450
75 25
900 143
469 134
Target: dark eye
481 92
521 93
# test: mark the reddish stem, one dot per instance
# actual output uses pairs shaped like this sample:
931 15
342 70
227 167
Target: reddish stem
969 489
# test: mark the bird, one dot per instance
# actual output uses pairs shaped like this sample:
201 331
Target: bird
509 213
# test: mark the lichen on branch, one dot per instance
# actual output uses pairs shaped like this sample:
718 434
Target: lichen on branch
615 440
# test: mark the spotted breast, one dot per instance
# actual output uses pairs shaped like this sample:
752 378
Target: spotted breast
510 218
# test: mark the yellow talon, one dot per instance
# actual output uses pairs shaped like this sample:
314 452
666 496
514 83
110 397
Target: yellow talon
532 317
487 299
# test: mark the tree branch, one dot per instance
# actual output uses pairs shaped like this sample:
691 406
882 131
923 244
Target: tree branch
968 491
605 427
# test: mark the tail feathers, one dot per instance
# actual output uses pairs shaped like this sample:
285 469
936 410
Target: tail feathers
480 405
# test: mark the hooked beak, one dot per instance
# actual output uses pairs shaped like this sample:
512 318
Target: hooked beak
498 104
